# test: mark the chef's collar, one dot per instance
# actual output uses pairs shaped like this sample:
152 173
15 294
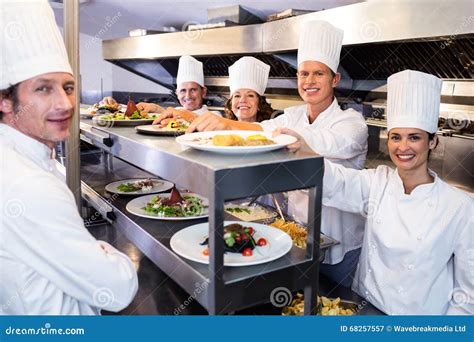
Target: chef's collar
327 112
422 190
28 147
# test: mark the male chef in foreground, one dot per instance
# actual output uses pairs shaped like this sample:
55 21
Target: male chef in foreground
49 262
336 134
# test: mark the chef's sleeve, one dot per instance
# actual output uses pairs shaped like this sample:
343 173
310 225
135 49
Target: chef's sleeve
49 236
462 301
343 140
346 189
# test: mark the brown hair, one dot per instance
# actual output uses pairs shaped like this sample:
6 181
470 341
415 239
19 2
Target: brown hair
10 94
264 111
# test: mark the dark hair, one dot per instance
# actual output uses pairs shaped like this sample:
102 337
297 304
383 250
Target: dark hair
10 94
264 111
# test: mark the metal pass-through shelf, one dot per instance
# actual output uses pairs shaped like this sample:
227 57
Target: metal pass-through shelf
219 178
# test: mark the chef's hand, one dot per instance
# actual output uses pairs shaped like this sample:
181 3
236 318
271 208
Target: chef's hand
298 145
109 100
209 122
172 113
150 107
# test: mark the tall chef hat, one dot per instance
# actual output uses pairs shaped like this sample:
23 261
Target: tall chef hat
322 42
413 100
30 42
190 70
250 73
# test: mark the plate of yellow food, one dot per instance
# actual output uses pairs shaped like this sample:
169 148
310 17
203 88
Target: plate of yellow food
235 142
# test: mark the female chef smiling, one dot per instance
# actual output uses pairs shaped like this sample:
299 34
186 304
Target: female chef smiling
418 251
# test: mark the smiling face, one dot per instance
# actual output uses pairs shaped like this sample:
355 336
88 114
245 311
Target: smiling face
190 95
245 104
316 83
409 148
45 107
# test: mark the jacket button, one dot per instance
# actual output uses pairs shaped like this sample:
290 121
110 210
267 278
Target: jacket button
369 270
378 221
410 267
419 238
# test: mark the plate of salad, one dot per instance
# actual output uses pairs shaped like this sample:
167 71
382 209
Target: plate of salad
138 186
131 117
170 206
245 243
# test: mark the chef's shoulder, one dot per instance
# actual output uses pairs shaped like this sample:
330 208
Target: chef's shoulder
456 198
350 115
300 109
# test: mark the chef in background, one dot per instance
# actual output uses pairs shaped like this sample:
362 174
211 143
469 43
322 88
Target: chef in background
248 78
418 252
49 263
190 89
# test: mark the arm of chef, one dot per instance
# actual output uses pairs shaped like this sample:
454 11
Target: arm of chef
343 140
346 189
50 237
462 302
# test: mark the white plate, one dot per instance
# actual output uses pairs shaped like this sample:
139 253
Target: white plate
156 130
136 206
159 185
187 243
202 141
100 121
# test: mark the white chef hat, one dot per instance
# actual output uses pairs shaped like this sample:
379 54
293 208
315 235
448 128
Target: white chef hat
190 70
322 42
30 42
249 73
413 100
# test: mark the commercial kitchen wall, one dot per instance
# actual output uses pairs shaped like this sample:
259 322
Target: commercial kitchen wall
94 70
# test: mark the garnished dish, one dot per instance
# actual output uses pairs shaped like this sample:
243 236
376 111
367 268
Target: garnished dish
131 116
170 206
238 239
245 244
176 205
325 307
248 213
103 108
138 186
235 142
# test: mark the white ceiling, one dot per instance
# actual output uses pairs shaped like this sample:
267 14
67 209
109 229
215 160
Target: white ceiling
109 19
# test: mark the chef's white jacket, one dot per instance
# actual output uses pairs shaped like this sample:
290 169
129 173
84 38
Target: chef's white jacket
418 250
49 263
340 136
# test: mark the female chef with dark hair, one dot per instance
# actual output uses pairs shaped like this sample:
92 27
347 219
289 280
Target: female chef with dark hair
418 251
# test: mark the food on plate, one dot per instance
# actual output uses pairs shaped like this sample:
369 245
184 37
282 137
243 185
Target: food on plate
131 113
176 205
237 140
139 185
252 213
239 239
325 306
297 232
177 125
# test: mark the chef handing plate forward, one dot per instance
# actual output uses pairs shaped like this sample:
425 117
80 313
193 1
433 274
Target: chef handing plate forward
49 263
248 78
418 252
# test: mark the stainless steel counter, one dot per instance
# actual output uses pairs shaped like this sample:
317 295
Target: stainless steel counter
219 178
